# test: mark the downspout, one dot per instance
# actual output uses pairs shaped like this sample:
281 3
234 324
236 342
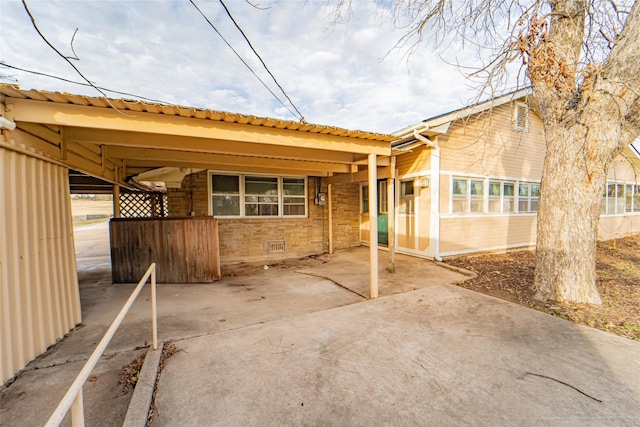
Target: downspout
434 214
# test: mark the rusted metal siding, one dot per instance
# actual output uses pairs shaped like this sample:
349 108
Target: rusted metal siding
185 250
39 299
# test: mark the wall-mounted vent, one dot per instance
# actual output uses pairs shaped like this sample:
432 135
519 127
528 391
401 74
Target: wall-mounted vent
276 246
521 116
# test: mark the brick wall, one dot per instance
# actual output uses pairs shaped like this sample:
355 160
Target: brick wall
346 215
192 197
245 239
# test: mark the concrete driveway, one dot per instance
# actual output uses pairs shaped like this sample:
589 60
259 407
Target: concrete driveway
297 344
441 355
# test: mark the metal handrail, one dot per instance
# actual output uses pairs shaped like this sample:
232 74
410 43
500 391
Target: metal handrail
73 399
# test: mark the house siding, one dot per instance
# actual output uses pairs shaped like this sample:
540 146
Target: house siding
486 144
478 234
616 226
245 239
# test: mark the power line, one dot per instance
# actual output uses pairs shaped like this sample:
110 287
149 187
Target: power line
33 21
260 58
243 61
4 64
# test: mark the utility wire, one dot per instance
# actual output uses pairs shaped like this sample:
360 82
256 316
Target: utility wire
4 64
260 58
242 60
33 21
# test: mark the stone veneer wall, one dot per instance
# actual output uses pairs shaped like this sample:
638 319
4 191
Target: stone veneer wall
245 239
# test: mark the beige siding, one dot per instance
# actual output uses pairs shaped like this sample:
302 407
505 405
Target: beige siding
621 169
615 226
486 144
476 234
415 162
39 287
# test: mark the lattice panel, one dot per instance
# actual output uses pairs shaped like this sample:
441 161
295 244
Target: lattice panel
143 205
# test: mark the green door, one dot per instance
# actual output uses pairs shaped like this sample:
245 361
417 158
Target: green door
383 215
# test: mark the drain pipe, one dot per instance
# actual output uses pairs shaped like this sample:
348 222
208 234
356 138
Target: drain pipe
435 189
7 124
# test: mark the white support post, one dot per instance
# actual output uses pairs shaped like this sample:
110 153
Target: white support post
330 218
391 209
154 311
373 226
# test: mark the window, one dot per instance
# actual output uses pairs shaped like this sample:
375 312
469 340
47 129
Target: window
406 198
619 198
258 196
528 197
468 195
365 199
383 207
460 202
501 197
225 195
476 188
521 116
629 193
508 199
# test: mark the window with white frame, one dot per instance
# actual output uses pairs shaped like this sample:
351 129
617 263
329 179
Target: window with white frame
528 197
365 199
258 196
383 207
521 116
632 198
406 198
294 196
469 195
620 198
501 197
225 195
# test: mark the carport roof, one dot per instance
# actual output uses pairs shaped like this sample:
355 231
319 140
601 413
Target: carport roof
189 112
115 139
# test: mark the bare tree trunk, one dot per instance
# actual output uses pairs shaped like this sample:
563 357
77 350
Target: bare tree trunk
587 123
566 241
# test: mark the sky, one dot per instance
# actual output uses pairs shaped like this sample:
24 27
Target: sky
347 74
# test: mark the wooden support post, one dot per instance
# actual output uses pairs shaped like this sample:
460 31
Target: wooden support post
373 226
116 201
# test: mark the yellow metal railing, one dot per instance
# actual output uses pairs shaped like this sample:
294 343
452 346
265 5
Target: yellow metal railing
73 399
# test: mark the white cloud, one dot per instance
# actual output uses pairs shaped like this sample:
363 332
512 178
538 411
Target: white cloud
165 50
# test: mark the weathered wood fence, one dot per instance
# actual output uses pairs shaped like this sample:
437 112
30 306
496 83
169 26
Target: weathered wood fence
185 250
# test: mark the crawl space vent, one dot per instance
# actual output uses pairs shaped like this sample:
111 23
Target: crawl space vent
276 246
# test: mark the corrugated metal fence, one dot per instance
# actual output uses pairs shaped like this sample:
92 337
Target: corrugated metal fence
39 299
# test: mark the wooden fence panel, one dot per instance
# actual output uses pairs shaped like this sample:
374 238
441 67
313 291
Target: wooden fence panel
185 250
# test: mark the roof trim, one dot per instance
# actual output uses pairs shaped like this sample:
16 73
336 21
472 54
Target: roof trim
443 119
13 91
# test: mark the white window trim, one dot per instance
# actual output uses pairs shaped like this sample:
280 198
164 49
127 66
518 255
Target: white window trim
241 195
635 209
486 213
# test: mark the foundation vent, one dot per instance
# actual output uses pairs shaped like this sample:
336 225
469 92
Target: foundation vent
276 246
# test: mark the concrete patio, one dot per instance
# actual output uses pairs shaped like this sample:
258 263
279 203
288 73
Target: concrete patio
297 344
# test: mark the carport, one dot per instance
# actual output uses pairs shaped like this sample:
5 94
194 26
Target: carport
46 134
